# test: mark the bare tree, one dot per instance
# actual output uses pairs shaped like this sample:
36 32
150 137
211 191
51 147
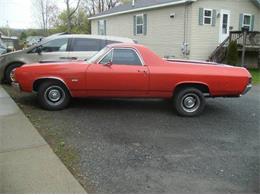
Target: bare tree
70 12
46 10
97 6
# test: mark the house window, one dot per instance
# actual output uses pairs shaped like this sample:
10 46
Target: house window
247 20
207 16
139 28
102 27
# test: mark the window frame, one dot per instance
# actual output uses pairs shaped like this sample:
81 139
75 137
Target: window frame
243 20
136 24
105 55
210 17
99 40
129 48
104 27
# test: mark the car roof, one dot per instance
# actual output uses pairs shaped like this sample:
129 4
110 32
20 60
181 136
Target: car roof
112 38
126 45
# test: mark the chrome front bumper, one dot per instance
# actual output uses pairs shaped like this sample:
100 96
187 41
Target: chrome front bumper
16 86
247 89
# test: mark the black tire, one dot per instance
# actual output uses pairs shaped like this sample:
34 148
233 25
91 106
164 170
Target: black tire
9 70
189 102
53 95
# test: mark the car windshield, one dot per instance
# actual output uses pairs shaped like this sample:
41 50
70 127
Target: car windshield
44 40
95 57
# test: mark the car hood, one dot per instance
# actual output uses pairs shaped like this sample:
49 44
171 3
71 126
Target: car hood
16 52
52 64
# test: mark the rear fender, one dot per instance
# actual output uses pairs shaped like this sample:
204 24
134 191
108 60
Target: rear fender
197 84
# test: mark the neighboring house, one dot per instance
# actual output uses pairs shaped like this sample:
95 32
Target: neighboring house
9 42
189 29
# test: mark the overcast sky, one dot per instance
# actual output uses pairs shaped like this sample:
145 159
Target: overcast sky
19 13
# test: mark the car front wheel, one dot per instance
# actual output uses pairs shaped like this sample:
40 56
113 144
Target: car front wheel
189 102
9 72
53 95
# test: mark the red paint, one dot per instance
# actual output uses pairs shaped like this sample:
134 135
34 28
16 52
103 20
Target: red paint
157 78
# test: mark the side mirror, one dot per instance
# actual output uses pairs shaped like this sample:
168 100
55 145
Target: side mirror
38 50
109 63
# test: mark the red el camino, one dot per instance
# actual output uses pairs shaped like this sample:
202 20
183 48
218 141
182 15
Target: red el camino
132 71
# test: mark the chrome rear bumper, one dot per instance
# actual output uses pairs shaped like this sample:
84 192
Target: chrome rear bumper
247 89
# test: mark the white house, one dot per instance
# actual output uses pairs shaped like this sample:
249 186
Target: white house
190 29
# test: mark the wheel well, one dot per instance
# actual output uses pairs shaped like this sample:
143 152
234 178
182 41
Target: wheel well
202 87
38 82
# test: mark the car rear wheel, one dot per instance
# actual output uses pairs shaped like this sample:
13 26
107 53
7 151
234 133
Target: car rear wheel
53 95
9 72
189 102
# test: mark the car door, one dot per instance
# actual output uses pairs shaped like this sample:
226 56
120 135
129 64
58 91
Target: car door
121 73
53 51
84 48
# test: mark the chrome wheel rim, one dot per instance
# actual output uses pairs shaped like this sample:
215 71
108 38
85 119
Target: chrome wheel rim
54 95
190 102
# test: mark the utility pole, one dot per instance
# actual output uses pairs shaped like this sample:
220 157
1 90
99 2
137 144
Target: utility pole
7 29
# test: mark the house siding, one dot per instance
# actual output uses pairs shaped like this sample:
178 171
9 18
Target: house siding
165 35
204 38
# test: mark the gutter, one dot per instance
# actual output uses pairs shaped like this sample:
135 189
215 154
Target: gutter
256 2
142 8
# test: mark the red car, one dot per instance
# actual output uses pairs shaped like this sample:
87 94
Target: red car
133 71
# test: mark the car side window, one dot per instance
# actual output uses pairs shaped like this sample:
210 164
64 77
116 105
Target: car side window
57 45
126 57
107 58
84 44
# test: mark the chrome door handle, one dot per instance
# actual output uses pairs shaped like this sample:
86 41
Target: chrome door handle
142 71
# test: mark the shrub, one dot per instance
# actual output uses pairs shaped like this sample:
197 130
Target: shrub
232 53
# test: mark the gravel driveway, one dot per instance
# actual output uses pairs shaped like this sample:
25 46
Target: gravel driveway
140 146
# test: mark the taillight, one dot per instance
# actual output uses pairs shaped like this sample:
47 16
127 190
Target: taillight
250 80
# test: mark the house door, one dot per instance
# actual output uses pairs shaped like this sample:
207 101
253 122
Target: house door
224 25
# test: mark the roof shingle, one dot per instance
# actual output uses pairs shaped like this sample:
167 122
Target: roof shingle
138 5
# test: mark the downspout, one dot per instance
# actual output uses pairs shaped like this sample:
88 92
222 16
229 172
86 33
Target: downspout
185 44
187 23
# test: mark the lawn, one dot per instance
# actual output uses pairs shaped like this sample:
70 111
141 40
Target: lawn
256 75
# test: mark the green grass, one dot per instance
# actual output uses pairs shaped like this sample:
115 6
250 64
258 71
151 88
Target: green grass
256 75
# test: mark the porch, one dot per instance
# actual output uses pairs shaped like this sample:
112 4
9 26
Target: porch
248 43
